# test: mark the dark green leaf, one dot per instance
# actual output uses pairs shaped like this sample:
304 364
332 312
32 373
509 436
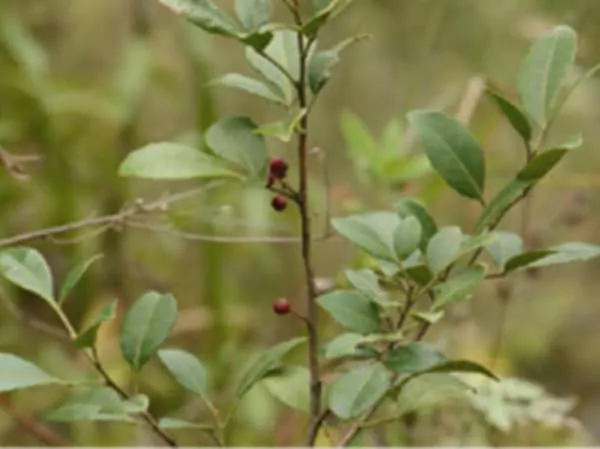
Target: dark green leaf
351 310
452 150
235 140
267 361
17 374
459 287
185 368
420 274
173 161
146 326
543 71
414 358
74 276
525 260
27 268
409 207
463 366
358 390
541 165
515 116
87 338
407 237
291 385
443 248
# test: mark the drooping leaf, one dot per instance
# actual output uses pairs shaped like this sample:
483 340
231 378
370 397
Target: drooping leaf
253 13
17 374
146 326
283 129
358 390
74 276
185 368
366 282
27 268
321 64
371 232
407 237
290 385
412 208
452 150
267 361
459 287
87 338
351 310
505 247
235 140
543 71
414 358
513 113
443 248
173 161
249 85
462 366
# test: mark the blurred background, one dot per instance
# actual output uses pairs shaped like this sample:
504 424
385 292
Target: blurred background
83 83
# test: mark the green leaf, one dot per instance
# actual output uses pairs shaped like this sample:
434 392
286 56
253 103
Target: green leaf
74 276
320 66
176 423
443 248
249 85
430 391
146 326
283 49
27 268
87 339
173 161
266 362
136 404
505 247
290 385
206 15
525 260
372 232
452 150
414 358
428 317
253 13
543 71
462 366
324 10
358 390
351 310
17 374
460 287
185 368
343 345
515 116
358 139
420 274
284 130
235 140
475 242
412 208
567 253
366 282
407 237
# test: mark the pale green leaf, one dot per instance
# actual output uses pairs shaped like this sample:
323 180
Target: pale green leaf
284 129
505 247
17 374
253 13
443 248
291 386
185 368
409 207
27 268
74 276
459 287
351 310
249 85
407 237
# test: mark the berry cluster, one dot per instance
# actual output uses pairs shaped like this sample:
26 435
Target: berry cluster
278 168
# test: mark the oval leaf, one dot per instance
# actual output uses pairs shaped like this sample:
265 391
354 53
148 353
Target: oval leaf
414 358
17 374
235 139
173 161
343 346
185 368
443 248
505 247
358 390
146 325
249 85
460 287
291 385
543 70
407 208
407 237
351 310
366 282
452 150
27 268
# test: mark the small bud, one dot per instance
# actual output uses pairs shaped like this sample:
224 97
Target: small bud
282 306
271 181
279 203
278 168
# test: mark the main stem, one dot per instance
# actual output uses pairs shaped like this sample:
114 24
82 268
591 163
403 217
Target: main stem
303 203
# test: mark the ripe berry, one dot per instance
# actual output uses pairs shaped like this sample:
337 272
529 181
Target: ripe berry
279 203
282 306
278 168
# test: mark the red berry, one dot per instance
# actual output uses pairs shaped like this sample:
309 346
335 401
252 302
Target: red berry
278 168
282 306
279 203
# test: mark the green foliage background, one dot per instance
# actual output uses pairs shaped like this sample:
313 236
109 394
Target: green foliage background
83 83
